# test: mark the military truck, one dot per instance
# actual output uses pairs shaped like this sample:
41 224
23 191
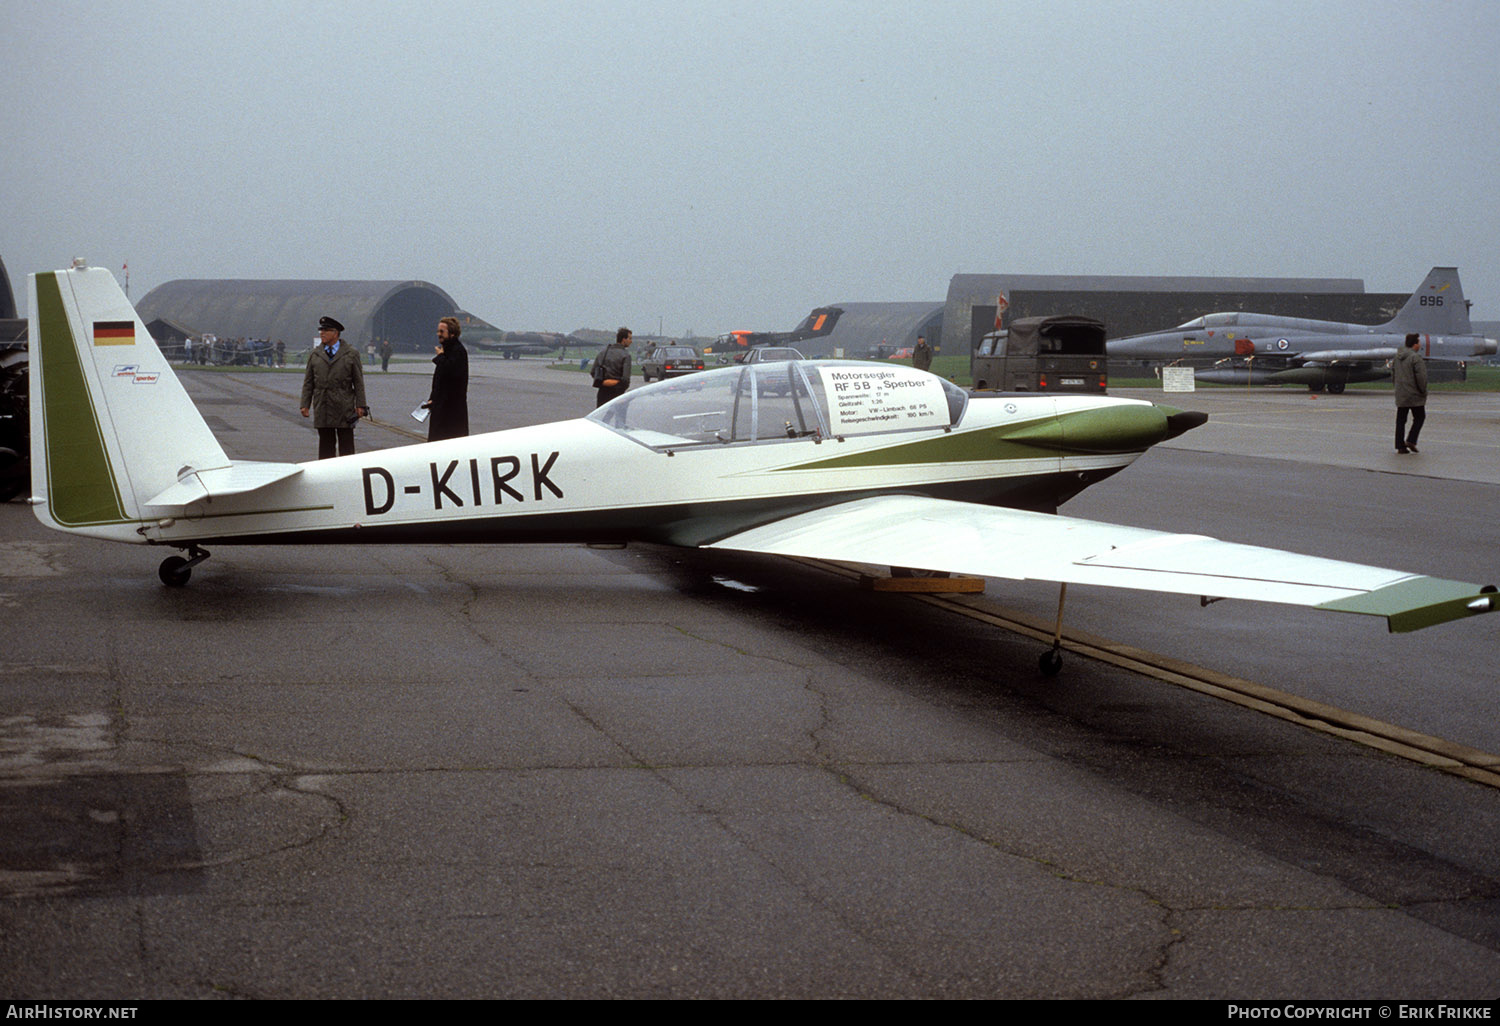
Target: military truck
1043 354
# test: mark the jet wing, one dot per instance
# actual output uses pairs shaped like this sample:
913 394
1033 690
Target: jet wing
961 537
236 479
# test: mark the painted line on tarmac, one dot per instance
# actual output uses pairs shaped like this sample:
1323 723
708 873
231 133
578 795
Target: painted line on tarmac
1435 752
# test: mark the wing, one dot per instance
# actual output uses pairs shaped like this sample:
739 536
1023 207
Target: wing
961 537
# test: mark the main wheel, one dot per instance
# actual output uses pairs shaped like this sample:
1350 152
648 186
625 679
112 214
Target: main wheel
1335 388
174 571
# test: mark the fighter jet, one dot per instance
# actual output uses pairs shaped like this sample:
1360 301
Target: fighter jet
512 345
842 460
1264 349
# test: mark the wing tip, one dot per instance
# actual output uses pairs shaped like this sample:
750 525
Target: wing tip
1419 602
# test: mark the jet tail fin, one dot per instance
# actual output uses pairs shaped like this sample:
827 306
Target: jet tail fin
819 322
1436 308
111 426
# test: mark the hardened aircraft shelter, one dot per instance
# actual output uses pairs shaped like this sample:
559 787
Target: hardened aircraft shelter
403 311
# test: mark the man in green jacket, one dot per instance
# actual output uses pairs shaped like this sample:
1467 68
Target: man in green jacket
921 355
1410 373
333 390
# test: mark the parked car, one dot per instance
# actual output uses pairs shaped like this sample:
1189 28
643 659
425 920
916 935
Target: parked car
769 354
771 380
670 361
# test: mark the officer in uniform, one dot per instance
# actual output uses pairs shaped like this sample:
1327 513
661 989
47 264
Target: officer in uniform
333 390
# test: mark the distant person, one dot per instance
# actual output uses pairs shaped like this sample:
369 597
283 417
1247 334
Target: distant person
334 388
449 399
1410 372
921 356
281 352
385 356
612 368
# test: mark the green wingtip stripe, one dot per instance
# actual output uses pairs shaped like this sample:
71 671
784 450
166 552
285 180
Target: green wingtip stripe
1417 603
81 485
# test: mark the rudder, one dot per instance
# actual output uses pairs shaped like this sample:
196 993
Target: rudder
1437 307
111 426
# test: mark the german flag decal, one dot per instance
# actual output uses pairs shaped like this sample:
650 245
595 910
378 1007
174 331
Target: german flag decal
114 333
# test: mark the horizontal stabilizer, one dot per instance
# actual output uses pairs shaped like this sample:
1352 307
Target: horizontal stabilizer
206 485
960 537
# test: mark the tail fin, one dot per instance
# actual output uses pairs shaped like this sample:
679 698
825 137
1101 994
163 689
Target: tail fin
111 426
1436 308
819 322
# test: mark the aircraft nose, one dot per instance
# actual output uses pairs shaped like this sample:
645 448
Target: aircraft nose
1125 347
1130 427
1182 421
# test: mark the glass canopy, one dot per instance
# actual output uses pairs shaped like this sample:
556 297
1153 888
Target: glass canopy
763 402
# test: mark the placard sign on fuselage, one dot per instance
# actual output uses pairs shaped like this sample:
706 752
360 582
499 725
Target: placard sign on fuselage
880 399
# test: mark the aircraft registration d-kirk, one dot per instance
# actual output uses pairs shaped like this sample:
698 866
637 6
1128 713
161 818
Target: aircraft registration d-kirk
839 460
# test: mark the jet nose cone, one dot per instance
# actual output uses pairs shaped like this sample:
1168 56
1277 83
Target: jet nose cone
1124 347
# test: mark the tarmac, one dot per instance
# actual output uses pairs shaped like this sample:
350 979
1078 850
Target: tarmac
553 771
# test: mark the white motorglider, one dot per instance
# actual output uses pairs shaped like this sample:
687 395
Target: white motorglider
862 462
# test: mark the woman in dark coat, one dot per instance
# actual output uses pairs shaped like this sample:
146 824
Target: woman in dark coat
449 401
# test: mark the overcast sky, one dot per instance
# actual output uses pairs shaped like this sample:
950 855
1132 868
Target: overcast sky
715 166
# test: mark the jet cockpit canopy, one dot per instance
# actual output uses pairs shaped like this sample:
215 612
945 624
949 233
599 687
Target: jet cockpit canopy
1213 320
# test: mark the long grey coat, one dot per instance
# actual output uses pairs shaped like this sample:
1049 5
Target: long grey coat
1410 372
333 388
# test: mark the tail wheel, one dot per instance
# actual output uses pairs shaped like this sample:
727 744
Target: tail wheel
174 571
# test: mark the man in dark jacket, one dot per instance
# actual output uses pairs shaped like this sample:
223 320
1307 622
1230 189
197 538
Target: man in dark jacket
921 356
1410 372
449 399
612 368
333 390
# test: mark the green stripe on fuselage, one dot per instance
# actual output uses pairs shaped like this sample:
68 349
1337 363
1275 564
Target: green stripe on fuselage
1104 430
81 486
